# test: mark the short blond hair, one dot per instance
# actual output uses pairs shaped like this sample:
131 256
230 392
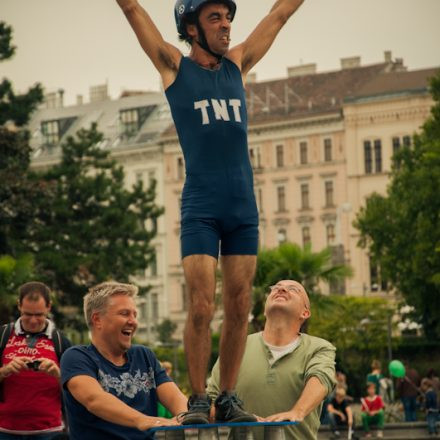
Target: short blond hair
340 391
98 297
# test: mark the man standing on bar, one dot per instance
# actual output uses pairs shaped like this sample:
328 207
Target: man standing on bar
206 94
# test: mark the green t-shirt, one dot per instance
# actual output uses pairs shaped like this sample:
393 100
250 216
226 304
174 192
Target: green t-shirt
267 390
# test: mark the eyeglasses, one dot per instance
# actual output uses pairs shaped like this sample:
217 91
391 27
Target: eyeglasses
289 288
32 315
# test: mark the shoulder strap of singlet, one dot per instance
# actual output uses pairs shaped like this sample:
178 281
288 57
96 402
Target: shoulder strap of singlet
5 333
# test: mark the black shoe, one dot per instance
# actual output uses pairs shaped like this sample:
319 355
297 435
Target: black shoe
229 408
198 410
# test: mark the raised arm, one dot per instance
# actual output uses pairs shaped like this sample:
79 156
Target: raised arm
248 53
165 57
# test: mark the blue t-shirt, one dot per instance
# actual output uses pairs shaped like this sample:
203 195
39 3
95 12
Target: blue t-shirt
134 383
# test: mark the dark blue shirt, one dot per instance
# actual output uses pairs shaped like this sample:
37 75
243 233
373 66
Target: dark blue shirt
134 383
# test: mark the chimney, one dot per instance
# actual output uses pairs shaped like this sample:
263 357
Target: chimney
54 99
350 62
79 100
251 78
388 56
303 69
99 93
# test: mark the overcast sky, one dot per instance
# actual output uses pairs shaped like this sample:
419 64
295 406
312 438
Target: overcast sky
74 44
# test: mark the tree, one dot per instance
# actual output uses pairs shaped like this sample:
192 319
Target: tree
18 189
401 230
93 228
290 261
165 331
15 108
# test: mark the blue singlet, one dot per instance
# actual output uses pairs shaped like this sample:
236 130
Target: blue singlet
218 202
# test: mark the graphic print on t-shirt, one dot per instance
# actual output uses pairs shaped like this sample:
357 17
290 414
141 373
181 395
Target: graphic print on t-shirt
127 384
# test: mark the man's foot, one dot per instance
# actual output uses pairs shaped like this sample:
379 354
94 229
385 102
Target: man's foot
198 410
379 434
229 408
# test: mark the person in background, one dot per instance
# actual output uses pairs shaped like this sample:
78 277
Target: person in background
372 411
339 412
408 389
161 410
431 405
31 399
376 374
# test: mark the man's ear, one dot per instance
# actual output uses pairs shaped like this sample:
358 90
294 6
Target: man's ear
192 31
96 320
306 314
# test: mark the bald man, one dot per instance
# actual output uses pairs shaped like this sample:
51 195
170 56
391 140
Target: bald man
285 374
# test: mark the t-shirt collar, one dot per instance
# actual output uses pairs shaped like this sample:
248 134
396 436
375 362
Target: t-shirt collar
50 326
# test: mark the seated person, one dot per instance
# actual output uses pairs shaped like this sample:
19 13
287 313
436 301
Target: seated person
111 387
339 412
372 411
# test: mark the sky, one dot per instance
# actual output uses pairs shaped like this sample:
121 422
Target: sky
75 44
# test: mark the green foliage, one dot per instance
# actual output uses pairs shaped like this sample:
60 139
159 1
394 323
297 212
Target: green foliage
17 187
13 273
15 108
92 228
402 229
6 49
290 261
18 191
165 331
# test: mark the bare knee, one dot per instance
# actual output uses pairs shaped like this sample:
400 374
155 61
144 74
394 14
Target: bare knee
200 310
237 303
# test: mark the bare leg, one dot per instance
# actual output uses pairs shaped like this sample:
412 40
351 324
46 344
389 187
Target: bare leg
238 274
200 279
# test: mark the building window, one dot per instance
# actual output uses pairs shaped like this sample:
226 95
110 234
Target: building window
129 122
303 153
180 168
327 150
50 130
329 193
132 119
153 266
154 307
54 130
305 202
331 236
377 282
368 158
184 297
255 157
306 238
396 144
280 156
260 199
406 141
281 196
282 236
378 155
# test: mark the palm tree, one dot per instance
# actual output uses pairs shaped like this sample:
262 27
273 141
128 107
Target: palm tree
290 261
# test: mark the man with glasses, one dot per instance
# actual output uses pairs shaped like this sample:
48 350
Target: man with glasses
30 392
285 374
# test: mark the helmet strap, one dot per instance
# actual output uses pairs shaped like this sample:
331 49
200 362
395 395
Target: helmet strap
203 43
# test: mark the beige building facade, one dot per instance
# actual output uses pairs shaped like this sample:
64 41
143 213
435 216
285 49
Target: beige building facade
319 144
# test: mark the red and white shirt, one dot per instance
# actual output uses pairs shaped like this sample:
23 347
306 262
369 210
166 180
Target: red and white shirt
372 403
31 400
